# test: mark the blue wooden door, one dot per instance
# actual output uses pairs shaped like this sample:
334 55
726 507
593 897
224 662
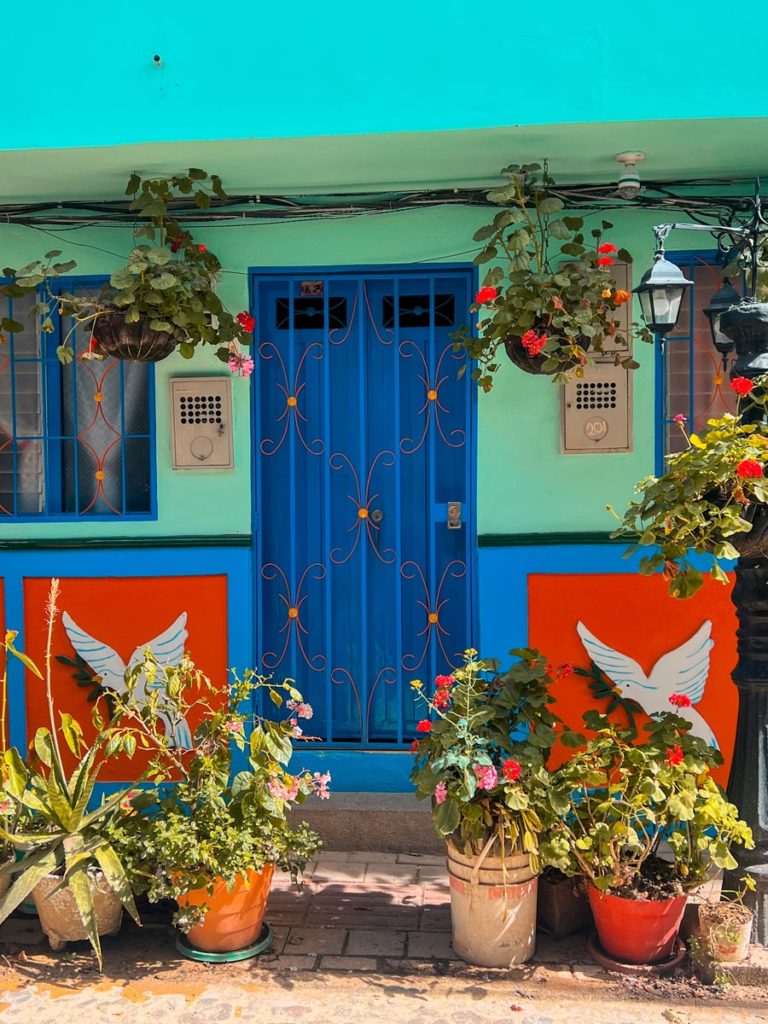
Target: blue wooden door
363 438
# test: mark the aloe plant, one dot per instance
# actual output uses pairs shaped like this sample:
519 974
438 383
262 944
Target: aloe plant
53 824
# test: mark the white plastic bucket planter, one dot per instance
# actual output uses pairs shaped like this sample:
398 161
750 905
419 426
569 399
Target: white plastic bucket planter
493 908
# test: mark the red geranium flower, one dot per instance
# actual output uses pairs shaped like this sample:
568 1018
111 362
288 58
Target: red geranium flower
680 700
749 469
511 769
414 746
533 343
604 261
486 295
246 321
202 248
607 247
674 755
424 725
563 671
445 681
741 385
441 699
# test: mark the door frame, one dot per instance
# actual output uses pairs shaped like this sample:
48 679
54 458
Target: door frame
257 275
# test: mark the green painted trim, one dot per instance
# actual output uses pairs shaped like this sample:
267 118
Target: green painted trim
227 540
523 540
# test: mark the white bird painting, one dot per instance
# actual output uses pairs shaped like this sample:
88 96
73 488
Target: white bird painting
683 670
168 649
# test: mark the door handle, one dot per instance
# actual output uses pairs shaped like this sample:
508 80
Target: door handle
453 515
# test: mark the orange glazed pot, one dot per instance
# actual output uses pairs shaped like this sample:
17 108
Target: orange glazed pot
236 915
636 931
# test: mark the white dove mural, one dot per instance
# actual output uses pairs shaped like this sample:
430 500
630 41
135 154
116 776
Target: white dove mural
168 649
683 670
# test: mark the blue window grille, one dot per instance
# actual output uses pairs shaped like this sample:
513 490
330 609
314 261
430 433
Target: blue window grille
76 441
692 379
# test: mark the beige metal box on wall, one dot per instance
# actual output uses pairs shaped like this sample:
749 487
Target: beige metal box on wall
201 422
596 411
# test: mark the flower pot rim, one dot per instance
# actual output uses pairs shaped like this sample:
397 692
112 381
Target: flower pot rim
633 899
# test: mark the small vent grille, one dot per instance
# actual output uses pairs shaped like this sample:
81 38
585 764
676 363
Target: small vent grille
200 409
309 314
596 395
414 311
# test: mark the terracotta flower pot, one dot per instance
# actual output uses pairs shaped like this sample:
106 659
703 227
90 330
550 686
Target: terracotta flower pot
60 918
636 931
235 916
136 341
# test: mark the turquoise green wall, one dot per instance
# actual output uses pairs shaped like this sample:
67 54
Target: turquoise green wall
524 484
83 75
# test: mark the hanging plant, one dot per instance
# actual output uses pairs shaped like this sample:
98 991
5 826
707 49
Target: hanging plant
712 499
164 298
548 305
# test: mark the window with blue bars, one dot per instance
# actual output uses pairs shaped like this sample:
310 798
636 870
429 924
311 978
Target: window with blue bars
691 373
76 441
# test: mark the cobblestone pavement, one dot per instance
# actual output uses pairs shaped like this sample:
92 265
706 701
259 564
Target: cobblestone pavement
367 939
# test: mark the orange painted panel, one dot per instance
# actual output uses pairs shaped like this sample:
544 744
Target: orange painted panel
124 614
634 616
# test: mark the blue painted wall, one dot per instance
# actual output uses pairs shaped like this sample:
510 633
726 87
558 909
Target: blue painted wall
239 70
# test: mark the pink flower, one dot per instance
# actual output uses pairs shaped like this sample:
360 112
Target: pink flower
441 792
296 729
240 364
486 775
233 725
301 709
6 805
679 418
126 803
680 700
320 784
280 791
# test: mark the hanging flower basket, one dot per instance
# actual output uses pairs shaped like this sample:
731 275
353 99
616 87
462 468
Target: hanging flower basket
136 341
534 363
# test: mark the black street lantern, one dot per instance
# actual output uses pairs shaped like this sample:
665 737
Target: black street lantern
661 292
720 303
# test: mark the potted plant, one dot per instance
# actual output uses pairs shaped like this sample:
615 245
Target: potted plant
551 300
725 925
164 298
481 760
711 499
69 864
616 801
212 840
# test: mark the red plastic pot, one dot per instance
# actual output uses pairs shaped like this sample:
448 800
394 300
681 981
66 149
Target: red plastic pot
636 931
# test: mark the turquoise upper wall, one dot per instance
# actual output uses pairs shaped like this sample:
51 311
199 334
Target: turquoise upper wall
524 483
84 75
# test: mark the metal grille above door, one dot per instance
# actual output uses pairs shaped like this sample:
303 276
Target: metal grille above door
363 439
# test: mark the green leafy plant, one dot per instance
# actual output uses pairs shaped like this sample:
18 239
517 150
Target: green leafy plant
723 920
168 281
615 801
53 824
708 500
482 754
214 822
552 289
